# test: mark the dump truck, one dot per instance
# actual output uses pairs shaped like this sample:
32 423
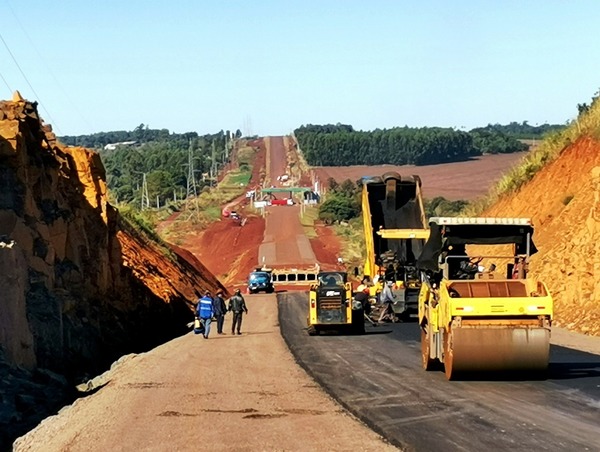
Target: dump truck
476 317
331 306
395 230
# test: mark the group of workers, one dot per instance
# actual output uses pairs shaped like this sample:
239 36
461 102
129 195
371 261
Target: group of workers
209 308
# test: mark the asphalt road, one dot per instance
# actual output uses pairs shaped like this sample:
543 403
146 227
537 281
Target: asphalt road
379 378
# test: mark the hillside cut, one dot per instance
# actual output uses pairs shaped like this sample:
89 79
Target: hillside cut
79 285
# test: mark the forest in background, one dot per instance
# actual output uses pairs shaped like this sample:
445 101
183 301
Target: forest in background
341 144
160 157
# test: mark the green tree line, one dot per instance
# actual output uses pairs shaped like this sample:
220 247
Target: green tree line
141 134
341 145
521 131
160 155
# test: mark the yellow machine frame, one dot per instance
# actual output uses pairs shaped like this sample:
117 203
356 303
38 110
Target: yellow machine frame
338 309
487 323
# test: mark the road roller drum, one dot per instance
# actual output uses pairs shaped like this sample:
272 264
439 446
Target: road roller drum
495 349
476 319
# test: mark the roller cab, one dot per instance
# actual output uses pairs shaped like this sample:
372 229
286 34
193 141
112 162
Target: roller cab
475 315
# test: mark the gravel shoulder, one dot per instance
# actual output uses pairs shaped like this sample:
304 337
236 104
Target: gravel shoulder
243 393
575 340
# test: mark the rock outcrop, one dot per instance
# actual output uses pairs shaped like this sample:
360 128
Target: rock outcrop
563 200
79 285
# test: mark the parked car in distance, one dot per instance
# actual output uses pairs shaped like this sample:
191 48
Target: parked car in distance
260 281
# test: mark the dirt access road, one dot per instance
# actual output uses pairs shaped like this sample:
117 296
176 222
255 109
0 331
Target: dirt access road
285 243
240 393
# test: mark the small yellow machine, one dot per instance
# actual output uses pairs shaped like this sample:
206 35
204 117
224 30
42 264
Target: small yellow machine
331 306
476 319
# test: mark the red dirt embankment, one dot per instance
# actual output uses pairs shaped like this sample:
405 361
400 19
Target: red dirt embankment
563 200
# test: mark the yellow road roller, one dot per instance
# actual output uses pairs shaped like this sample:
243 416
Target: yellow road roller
476 317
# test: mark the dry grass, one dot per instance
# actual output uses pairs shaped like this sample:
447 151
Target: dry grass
308 219
548 150
353 242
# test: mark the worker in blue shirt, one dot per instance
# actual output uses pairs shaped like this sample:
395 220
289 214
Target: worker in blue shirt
205 312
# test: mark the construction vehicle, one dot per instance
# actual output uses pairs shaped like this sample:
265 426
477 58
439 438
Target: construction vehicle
472 317
395 231
331 306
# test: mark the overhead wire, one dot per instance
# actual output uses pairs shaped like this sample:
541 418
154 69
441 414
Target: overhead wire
54 123
41 57
5 82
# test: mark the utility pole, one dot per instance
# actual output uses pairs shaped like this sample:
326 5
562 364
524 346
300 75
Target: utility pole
145 197
191 180
213 164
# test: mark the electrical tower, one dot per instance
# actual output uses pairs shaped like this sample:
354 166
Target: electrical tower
191 179
144 195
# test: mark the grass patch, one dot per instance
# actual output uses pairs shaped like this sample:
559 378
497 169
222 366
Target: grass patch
212 213
237 178
142 225
245 155
308 219
353 242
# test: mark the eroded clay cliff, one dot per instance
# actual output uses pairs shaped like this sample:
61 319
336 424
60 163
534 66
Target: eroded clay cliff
563 200
79 286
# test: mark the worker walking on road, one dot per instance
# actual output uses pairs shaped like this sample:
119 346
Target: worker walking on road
219 311
386 301
205 312
237 305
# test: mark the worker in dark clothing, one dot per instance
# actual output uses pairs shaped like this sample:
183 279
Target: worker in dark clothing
219 311
237 305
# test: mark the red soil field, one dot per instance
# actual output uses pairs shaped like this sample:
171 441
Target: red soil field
462 180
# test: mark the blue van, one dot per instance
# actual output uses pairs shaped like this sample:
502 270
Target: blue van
260 280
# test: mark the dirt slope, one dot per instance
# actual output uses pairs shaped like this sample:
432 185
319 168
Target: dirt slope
79 285
563 200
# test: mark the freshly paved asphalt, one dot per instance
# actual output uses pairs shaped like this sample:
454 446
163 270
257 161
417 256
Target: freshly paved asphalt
379 378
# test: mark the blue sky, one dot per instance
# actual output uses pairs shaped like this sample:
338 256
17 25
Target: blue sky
266 67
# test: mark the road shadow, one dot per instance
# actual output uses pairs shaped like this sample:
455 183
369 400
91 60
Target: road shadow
568 371
376 330
564 364
568 364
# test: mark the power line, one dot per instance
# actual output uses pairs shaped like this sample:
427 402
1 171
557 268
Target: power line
41 57
6 83
28 83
